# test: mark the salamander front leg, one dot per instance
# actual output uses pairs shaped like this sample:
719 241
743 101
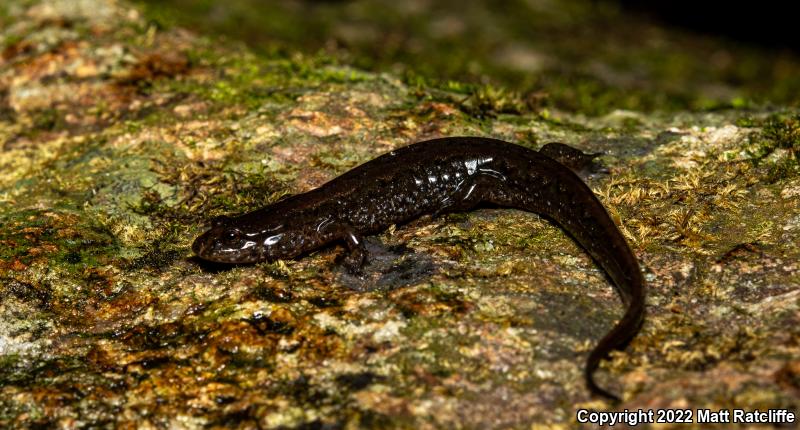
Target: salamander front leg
356 256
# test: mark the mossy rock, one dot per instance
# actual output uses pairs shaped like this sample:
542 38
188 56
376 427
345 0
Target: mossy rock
121 137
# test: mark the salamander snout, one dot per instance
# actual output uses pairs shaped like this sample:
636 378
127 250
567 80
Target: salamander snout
226 244
199 246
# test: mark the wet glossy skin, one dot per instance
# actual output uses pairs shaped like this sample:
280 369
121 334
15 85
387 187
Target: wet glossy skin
434 177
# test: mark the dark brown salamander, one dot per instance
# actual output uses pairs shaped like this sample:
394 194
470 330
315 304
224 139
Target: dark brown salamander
434 177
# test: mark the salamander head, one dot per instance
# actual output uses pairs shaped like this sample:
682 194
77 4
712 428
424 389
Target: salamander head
227 242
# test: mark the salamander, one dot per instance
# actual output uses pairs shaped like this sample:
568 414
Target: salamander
434 177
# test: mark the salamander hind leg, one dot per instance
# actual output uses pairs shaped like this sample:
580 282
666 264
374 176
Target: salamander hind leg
582 163
466 196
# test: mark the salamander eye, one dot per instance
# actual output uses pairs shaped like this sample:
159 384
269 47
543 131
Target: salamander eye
232 235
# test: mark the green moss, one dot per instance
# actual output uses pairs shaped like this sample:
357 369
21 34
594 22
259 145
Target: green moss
782 169
782 131
32 236
158 256
569 69
488 101
249 81
778 132
747 122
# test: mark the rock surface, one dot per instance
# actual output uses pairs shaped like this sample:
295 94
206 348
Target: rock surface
121 137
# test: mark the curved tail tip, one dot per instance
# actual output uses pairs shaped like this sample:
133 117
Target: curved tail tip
601 392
